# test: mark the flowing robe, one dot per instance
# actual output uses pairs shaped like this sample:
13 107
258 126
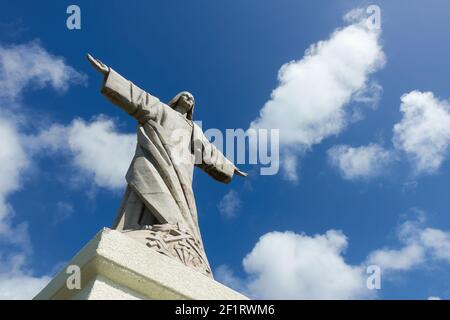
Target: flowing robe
159 190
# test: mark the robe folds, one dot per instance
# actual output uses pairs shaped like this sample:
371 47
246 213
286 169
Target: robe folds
159 179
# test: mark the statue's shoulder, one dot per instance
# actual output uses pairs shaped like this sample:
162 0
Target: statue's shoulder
196 126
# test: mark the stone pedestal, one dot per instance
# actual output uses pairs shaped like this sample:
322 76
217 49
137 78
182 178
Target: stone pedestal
114 266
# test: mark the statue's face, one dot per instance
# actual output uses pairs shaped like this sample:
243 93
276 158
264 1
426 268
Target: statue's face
185 103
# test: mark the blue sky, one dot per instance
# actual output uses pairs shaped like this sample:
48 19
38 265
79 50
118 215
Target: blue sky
384 192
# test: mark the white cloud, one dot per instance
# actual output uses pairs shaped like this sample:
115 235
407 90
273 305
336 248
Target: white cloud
92 145
13 162
18 283
30 64
22 67
286 265
438 242
405 258
361 162
434 298
424 131
312 99
20 286
230 204
423 134
421 245
95 144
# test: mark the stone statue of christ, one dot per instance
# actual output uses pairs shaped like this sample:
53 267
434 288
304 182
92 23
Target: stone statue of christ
158 207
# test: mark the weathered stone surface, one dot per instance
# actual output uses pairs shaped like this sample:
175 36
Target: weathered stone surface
159 198
115 266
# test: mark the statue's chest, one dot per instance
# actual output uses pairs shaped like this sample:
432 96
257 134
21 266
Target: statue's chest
178 131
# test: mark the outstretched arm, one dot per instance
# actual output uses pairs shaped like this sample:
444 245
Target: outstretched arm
125 94
98 65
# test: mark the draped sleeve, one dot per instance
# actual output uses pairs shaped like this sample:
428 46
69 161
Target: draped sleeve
136 102
210 159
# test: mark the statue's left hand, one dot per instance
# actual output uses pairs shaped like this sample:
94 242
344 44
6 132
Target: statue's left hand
98 65
240 173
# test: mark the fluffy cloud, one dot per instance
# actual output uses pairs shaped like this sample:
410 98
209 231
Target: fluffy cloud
91 146
13 162
30 65
312 99
230 204
20 286
420 245
296 266
423 135
286 265
404 258
361 162
424 131
24 66
16 282
438 242
95 144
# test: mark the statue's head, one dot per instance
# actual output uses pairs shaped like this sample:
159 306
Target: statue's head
184 103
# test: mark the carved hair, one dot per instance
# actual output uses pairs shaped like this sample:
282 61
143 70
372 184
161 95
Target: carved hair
173 103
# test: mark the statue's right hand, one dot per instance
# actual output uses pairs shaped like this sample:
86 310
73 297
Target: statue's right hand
240 173
98 65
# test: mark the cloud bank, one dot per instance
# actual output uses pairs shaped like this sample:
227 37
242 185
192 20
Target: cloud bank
288 265
30 65
360 163
91 146
23 67
420 245
313 98
422 136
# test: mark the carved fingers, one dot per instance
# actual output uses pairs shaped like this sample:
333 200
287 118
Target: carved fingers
98 65
240 173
